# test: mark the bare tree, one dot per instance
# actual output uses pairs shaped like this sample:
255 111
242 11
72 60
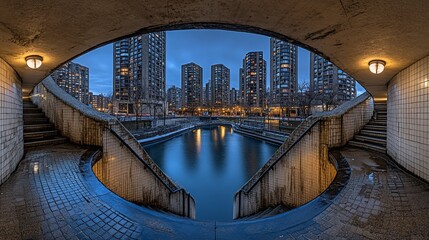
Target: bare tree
304 99
110 99
330 101
138 104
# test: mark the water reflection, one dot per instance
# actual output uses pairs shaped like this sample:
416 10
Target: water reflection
198 139
211 163
222 132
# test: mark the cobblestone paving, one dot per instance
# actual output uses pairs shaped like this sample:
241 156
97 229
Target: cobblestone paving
380 201
47 198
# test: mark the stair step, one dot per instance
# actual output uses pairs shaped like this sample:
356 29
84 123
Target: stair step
375 127
40 135
38 127
267 213
32 110
32 121
373 133
257 215
34 115
380 107
277 210
378 141
378 122
367 146
56 140
29 106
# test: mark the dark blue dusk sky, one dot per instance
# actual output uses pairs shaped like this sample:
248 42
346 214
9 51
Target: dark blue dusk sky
204 47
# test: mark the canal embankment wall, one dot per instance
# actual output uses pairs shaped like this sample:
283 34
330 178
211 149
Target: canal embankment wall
268 136
261 135
125 168
301 169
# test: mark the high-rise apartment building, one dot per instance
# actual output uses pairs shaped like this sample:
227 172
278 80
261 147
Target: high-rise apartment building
139 74
174 98
74 79
207 94
233 97
327 81
283 71
241 81
220 84
99 102
254 80
192 86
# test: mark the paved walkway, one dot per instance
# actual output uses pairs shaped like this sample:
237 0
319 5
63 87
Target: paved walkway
49 198
46 198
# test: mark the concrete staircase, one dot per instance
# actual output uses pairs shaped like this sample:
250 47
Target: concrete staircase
271 211
38 130
373 134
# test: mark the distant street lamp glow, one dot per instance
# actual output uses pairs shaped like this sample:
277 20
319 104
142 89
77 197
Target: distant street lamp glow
34 61
376 66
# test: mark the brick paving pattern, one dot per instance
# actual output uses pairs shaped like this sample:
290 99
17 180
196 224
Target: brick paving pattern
48 198
380 201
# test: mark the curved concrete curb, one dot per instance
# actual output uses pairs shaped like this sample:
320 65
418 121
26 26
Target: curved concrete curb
163 226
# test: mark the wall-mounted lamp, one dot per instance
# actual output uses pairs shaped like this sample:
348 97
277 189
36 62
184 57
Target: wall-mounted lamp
34 61
376 66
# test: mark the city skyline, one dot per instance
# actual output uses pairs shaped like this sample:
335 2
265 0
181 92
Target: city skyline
226 47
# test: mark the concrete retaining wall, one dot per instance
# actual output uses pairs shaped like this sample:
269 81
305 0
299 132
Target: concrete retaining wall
125 168
300 170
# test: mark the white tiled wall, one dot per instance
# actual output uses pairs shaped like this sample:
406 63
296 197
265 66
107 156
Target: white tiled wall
11 123
408 118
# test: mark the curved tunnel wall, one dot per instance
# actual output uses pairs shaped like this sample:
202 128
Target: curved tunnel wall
408 118
11 122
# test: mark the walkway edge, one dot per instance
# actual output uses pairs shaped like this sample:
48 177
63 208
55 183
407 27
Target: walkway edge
165 226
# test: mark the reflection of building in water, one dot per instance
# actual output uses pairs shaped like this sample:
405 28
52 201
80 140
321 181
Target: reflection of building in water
198 139
251 157
214 137
222 132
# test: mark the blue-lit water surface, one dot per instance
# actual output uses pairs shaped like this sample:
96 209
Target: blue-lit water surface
212 163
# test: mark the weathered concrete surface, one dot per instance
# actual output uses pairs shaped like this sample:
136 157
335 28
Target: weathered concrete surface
349 32
300 169
126 168
51 197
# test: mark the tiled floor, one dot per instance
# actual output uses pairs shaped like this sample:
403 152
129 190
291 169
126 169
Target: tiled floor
48 198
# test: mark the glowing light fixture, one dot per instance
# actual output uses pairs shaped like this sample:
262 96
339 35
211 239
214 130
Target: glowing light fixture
376 66
34 61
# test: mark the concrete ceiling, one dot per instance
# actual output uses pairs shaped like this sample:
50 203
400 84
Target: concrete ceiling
348 32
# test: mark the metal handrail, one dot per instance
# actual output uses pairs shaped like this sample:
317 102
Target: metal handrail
296 136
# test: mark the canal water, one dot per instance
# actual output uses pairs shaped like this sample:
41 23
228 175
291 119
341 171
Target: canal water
212 163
